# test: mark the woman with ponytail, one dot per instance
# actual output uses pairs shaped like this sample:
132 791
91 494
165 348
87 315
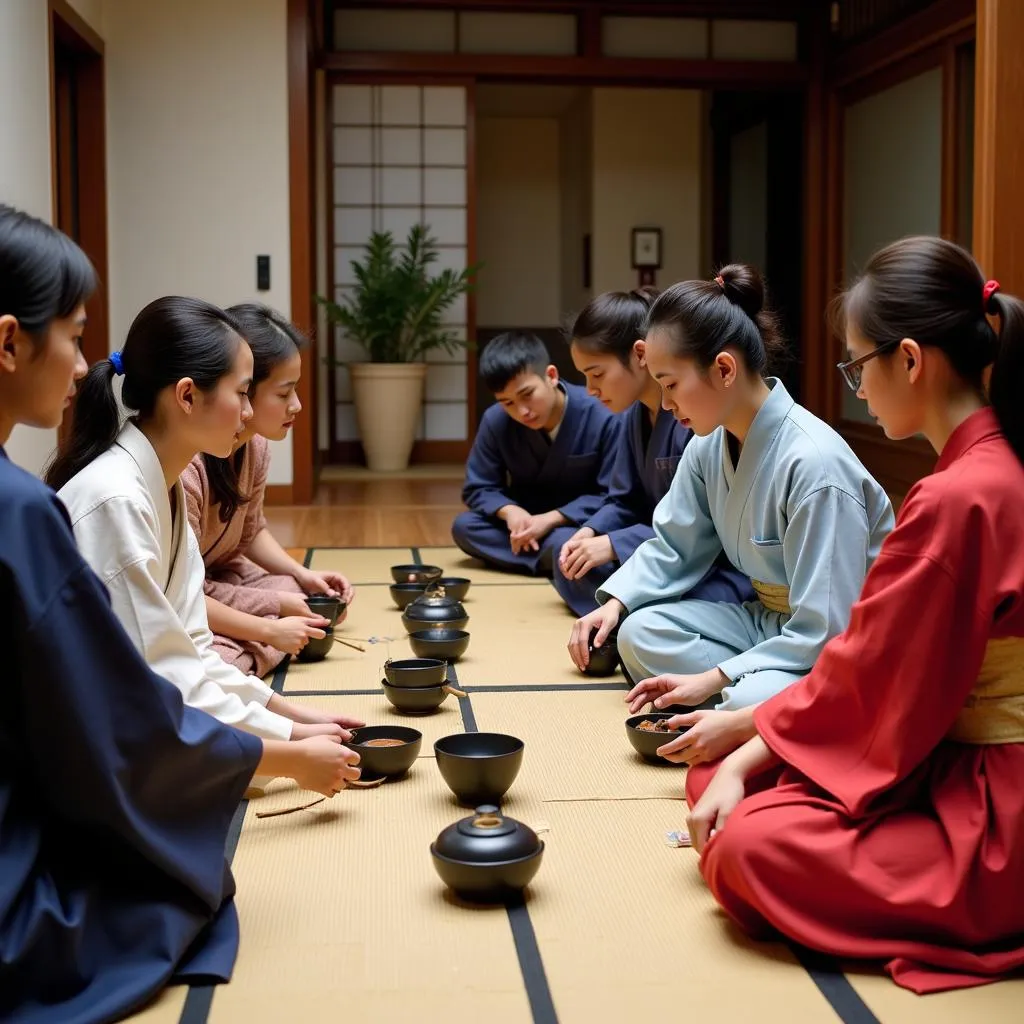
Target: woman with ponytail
116 801
609 349
255 591
185 372
878 811
772 487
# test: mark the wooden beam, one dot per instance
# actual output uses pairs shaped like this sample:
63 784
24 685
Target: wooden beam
918 32
999 143
302 192
758 10
686 74
74 31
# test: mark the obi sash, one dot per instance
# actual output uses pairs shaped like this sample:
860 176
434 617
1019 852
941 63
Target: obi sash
994 710
774 596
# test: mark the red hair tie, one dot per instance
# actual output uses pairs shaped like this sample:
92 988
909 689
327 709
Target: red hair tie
721 283
991 287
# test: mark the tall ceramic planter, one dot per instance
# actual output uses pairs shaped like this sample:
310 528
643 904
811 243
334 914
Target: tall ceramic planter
388 399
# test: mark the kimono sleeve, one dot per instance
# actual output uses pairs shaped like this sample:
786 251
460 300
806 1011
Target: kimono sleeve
684 546
620 517
111 743
486 473
826 555
131 556
886 691
580 509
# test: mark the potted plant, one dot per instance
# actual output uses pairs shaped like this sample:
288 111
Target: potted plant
394 313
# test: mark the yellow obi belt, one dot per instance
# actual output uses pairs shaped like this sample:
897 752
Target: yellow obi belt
994 711
774 596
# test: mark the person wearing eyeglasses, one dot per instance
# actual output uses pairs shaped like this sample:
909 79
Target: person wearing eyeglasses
878 812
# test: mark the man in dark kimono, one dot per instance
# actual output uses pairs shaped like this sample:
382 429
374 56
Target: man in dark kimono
115 799
541 462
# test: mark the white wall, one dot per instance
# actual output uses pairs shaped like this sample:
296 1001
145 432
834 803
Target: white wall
197 156
647 173
518 222
25 169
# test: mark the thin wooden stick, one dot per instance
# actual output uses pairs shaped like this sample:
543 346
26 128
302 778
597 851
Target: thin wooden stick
291 810
347 643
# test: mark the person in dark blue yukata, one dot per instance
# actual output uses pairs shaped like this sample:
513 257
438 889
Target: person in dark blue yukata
115 798
541 463
608 348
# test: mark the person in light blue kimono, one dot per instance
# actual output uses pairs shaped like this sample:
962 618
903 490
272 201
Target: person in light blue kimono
609 350
766 482
541 462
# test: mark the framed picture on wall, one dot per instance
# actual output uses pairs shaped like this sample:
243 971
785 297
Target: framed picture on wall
646 248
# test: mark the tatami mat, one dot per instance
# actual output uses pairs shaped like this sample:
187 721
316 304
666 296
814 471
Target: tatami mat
165 1009
628 932
343 915
456 563
361 565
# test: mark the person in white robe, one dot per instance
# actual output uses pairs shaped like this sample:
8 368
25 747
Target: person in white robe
186 371
767 483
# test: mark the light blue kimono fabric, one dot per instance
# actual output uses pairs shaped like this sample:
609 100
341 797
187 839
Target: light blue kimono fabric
798 509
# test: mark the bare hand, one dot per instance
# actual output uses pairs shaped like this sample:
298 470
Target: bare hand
711 735
306 730
293 633
712 811
324 765
529 532
293 604
581 555
665 690
604 620
311 716
333 584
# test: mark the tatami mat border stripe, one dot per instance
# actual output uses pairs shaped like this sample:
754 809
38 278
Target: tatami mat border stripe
531 964
834 985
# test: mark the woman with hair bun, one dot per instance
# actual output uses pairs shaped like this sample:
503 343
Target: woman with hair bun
775 488
885 816
609 349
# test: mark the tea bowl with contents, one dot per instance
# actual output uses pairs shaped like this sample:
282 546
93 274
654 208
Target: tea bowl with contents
648 732
389 750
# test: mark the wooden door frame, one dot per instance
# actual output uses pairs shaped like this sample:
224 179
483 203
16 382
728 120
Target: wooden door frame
921 42
69 30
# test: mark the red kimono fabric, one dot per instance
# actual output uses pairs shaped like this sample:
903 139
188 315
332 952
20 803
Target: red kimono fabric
881 838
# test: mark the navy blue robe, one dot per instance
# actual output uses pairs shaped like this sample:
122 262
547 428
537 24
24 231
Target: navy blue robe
115 799
513 465
645 464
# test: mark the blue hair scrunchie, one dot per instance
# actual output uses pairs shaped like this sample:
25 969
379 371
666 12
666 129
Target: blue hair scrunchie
117 363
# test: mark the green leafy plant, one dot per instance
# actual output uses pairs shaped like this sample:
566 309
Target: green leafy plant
395 310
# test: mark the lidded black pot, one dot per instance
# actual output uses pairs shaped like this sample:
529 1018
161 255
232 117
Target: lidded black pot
434 609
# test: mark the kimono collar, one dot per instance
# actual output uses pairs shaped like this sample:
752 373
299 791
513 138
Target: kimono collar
768 420
982 425
137 445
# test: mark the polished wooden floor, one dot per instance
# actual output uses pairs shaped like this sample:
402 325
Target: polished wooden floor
379 512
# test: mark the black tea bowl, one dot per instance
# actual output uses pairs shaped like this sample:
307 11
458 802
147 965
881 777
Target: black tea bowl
449 644
415 700
403 594
317 649
391 758
416 672
416 573
603 660
646 743
479 767
327 607
455 586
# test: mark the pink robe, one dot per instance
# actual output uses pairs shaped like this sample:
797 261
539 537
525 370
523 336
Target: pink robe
231 577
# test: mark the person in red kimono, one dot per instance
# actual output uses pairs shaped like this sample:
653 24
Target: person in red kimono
879 812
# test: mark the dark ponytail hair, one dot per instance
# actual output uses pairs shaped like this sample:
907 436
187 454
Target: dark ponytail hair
932 291
273 339
44 276
610 323
171 338
705 317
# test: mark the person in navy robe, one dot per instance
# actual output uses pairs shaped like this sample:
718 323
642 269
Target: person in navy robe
608 348
541 463
116 799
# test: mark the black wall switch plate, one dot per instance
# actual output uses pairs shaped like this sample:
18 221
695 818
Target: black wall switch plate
263 273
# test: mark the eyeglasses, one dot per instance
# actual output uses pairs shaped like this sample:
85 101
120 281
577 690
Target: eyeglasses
852 370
